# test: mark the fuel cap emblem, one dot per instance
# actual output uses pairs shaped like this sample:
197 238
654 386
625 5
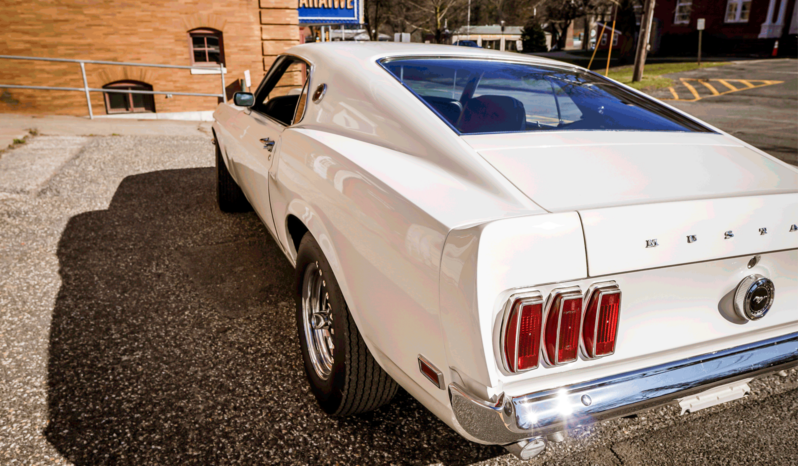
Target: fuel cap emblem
754 297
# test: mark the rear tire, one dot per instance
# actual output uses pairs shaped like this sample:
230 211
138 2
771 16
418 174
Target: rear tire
343 374
228 194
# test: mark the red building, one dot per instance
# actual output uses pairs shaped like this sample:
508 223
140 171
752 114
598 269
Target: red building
733 27
619 39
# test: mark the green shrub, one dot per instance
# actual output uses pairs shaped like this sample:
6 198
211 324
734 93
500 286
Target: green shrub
533 38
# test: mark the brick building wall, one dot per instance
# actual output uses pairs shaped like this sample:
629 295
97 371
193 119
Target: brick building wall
144 31
719 37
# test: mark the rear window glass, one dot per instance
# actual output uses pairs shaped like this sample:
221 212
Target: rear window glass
483 96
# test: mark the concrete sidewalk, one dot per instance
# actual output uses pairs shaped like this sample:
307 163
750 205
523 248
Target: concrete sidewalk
8 135
17 126
28 167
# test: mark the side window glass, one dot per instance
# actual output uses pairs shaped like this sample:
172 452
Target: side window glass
279 97
441 87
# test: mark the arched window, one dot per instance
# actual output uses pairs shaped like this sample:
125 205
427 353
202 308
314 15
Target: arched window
207 47
128 102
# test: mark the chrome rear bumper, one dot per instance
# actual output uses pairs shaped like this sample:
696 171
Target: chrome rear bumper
510 419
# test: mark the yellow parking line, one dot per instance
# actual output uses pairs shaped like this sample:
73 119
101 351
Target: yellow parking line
691 89
709 86
749 84
725 83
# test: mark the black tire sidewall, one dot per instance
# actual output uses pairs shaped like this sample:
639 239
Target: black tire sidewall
330 392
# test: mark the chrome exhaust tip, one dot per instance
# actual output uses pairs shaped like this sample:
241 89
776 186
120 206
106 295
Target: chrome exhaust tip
527 449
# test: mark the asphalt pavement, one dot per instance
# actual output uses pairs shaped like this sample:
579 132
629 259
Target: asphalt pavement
761 109
140 325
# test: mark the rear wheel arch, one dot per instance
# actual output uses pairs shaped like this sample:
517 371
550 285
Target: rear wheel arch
216 139
346 379
306 220
295 231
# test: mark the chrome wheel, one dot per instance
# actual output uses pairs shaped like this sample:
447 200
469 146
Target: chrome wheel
317 320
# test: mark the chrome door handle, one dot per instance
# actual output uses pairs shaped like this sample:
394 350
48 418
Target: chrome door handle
268 144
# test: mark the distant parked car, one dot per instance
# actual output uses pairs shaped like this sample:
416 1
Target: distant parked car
467 43
523 245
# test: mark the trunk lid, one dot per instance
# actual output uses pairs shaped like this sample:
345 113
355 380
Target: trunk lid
617 238
682 190
578 170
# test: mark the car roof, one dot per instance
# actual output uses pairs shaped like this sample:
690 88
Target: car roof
358 52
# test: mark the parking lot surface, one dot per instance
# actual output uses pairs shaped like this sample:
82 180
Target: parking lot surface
762 110
140 325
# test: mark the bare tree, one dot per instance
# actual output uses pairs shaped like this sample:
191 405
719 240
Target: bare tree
497 6
377 13
402 18
512 12
432 14
558 15
588 9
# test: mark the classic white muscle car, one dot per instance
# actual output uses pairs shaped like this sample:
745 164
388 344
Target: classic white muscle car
521 244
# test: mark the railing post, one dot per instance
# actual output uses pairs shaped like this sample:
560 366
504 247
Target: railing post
224 91
86 89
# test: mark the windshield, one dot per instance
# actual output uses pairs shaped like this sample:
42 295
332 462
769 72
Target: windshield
484 96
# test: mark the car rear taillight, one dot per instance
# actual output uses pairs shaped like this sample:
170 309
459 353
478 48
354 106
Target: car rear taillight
600 329
522 334
561 334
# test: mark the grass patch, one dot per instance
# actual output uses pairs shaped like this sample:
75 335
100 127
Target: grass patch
20 141
652 74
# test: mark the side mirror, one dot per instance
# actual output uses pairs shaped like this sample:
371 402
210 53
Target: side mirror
243 99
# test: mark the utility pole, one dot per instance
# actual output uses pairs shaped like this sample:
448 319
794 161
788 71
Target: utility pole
642 40
468 22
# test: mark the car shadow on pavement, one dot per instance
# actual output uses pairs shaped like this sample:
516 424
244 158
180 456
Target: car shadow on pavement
173 341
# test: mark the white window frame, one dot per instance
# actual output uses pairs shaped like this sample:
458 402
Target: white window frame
738 13
605 38
682 3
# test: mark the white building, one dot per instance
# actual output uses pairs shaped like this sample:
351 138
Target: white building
495 37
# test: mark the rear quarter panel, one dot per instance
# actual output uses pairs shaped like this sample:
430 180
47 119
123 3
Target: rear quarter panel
385 250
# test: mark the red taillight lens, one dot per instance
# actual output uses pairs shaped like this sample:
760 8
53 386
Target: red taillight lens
522 335
561 337
511 338
601 321
529 336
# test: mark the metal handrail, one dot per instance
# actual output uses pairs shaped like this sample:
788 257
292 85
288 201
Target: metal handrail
88 89
118 91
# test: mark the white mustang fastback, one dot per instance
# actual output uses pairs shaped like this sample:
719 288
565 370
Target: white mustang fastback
521 244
